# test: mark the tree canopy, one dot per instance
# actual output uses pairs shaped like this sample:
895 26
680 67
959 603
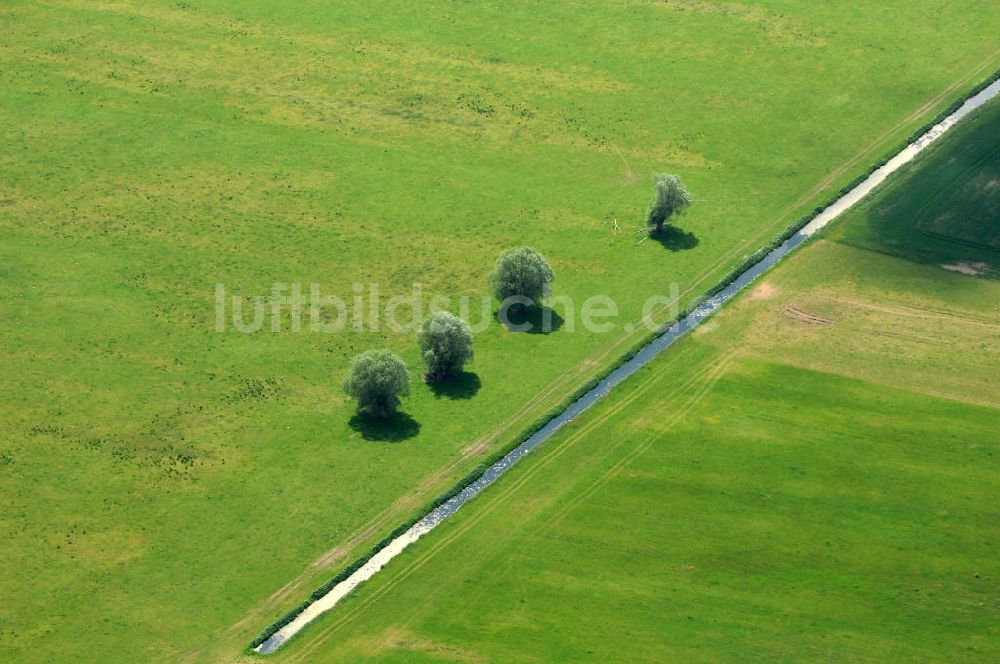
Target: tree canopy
521 273
670 197
445 342
376 379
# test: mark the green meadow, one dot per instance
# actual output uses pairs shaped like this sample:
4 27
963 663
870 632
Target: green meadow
948 212
814 478
167 490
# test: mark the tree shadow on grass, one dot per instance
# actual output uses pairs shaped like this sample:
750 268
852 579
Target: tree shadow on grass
463 386
536 320
675 239
393 429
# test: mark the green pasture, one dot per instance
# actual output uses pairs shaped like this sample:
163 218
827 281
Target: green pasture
948 211
813 478
167 490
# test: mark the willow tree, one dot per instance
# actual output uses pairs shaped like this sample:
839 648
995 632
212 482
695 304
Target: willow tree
445 342
670 197
522 275
376 379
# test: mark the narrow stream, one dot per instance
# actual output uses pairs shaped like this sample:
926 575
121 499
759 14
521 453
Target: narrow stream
599 391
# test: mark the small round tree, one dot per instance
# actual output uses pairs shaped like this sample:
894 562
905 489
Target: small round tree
521 273
445 342
670 197
377 378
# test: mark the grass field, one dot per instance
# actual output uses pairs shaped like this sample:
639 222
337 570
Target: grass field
168 490
814 480
947 213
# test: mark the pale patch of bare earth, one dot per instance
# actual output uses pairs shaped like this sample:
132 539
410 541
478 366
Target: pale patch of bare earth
971 268
764 291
